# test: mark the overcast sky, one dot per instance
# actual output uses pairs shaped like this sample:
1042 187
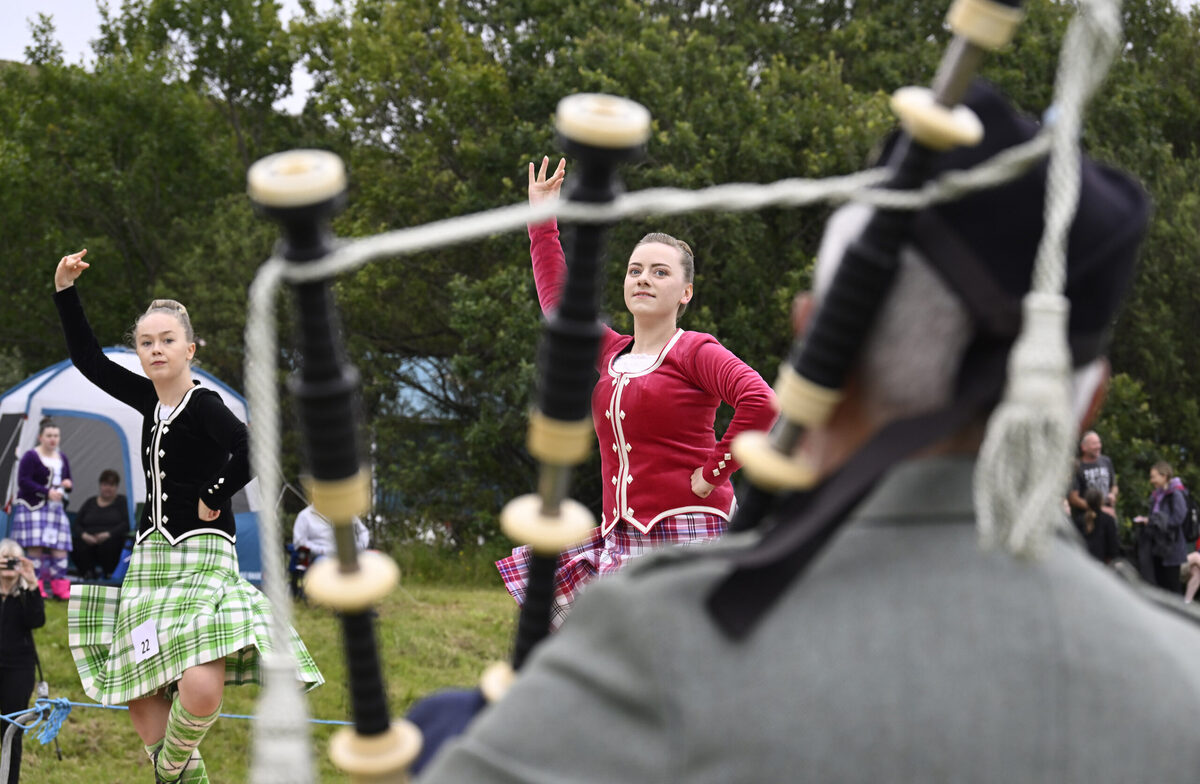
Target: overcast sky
77 22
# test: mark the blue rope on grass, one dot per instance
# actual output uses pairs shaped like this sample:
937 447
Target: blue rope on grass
53 723
52 714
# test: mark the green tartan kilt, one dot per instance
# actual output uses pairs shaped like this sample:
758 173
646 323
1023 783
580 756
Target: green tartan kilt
202 610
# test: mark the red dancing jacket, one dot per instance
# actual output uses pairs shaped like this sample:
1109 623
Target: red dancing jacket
655 426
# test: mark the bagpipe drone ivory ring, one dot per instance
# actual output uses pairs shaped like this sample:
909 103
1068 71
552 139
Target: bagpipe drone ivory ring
296 178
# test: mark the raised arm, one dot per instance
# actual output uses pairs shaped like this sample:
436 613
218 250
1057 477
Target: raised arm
86 354
545 249
549 263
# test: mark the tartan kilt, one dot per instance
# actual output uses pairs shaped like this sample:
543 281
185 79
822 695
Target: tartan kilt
202 610
600 555
47 526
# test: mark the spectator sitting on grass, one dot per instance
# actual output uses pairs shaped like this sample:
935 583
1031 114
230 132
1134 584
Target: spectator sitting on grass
315 533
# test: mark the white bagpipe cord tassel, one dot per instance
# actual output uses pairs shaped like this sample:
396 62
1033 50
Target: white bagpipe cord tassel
1024 462
282 749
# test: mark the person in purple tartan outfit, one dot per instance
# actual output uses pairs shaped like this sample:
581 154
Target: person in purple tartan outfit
40 522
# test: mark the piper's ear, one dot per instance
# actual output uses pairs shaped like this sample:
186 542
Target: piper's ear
802 310
688 290
1096 377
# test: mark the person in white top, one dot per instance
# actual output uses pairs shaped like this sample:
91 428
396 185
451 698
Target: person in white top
316 533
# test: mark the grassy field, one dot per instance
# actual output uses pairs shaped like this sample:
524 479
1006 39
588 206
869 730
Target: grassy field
431 636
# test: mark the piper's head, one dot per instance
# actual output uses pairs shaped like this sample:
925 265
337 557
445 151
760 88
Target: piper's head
955 307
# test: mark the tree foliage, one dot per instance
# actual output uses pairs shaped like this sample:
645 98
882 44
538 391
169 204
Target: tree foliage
438 105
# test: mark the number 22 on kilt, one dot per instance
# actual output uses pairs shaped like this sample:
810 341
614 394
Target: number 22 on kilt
145 641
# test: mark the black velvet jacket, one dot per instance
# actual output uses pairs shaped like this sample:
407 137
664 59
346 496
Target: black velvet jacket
20 614
200 452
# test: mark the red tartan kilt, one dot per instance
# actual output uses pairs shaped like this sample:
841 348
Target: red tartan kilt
601 555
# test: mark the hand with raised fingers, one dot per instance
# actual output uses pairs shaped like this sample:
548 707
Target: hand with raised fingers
69 268
542 188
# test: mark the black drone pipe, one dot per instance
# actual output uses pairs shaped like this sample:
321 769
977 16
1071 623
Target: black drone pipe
828 352
567 360
330 415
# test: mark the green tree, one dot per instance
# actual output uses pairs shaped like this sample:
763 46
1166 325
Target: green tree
235 51
108 160
438 105
443 103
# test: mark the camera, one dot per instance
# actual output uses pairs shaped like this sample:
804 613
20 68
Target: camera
12 563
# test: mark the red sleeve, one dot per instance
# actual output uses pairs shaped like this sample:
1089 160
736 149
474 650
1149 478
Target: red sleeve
717 371
549 263
550 272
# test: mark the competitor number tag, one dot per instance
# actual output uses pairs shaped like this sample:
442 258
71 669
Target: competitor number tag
145 641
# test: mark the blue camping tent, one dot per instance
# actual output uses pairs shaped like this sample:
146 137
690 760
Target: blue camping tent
99 432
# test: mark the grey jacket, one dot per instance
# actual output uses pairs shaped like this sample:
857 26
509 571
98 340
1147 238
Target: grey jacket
906 654
1167 526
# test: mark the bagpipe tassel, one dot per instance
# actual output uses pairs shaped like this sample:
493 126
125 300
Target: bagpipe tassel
1024 463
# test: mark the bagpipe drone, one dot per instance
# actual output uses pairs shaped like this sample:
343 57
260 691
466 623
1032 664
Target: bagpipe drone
302 190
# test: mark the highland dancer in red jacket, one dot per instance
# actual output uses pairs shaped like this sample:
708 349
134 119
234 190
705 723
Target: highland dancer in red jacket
665 474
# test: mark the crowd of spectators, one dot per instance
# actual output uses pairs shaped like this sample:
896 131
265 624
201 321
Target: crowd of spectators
1156 543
